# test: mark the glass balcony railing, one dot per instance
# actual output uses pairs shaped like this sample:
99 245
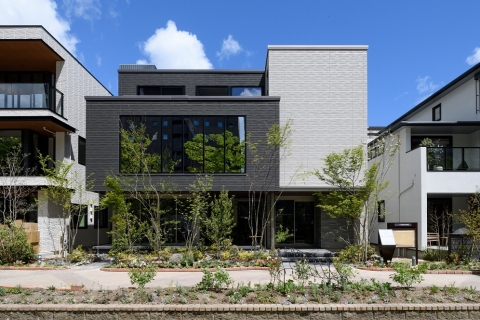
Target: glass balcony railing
31 96
453 158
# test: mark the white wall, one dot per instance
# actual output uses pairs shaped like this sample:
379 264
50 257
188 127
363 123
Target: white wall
457 105
323 89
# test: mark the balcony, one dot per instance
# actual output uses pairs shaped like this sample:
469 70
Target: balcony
31 96
453 159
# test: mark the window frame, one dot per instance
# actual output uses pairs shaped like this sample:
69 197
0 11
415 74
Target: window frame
161 89
82 160
103 221
75 218
434 109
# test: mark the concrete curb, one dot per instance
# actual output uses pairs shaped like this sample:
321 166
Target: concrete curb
186 270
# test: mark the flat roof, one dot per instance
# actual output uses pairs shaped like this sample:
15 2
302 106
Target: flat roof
190 71
318 47
182 98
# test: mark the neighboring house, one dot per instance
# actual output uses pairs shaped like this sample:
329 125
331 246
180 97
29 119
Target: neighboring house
42 105
426 181
322 89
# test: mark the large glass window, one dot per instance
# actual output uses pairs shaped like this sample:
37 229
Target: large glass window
184 144
162 90
246 91
229 91
212 91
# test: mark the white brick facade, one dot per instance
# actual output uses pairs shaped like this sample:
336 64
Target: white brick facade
323 89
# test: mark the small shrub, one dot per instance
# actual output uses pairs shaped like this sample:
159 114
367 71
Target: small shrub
225 255
354 253
2 291
142 276
434 289
406 276
14 244
164 254
77 255
214 281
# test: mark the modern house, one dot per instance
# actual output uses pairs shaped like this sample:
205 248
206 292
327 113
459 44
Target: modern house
426 181
42 108
322 90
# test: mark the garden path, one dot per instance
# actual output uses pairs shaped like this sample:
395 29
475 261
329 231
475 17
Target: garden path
93 278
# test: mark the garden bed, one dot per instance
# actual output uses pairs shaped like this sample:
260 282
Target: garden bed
112 269
24 268
350 294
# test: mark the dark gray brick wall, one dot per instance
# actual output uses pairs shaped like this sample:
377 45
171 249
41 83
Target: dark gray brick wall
330 231
103 138
129 81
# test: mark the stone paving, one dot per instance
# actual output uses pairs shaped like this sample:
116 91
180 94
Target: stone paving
93 278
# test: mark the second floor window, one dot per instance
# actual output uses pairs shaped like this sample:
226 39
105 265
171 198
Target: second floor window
182 144
161 90
437 113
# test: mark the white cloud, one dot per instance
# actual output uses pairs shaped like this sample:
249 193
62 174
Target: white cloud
170 48
474 58
401 96
99 60
85 9
426 85
38 12
230 47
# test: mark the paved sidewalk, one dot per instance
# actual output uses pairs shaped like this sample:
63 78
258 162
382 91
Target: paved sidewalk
93 278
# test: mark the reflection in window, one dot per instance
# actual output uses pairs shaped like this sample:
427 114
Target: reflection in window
188 144
247 91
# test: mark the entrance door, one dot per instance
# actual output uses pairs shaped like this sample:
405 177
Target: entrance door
298 218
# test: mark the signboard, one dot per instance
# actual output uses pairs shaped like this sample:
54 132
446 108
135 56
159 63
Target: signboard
386 237
404 238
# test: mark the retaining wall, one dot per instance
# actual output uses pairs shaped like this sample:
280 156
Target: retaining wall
244 312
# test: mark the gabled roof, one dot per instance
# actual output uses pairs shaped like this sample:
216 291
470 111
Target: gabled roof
473 72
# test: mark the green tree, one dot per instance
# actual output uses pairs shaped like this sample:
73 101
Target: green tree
222 152
66 188
196 209
145 189
134 154
16 194
470 218
356 190
262 175
219 225
129 229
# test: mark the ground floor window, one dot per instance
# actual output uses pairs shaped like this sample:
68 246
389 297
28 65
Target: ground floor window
298 218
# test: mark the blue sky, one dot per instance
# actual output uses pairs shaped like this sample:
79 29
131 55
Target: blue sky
415 47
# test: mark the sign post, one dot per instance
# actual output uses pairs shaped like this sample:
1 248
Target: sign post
387 244
406 235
